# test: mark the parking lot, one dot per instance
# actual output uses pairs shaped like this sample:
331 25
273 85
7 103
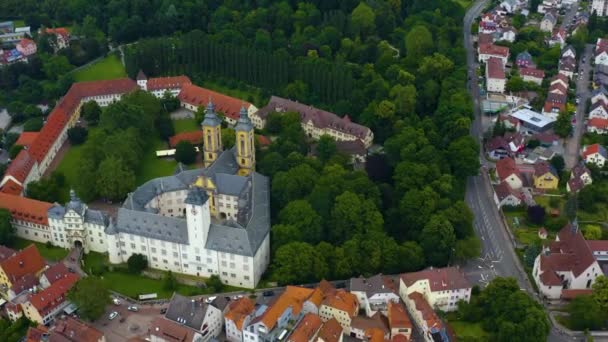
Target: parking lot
127 324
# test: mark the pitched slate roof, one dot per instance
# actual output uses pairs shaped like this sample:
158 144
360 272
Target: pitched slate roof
373 285
197 96
187 311
440 279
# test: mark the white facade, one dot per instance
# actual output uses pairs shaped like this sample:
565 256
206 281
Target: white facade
378 301
601 58
595 158
233 333
496 85
599 7
598 112
583 281
445 300
511 200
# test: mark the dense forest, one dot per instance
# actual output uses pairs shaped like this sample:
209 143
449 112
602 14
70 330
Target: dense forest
396 66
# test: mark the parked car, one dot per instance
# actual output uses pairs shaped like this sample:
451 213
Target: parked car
133 308
268 293
116 301
113 315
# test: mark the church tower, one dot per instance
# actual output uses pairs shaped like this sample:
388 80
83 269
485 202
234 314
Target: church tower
142 80
245 147
212 132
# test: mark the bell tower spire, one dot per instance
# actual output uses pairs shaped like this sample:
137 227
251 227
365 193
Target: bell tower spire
212 133
245 146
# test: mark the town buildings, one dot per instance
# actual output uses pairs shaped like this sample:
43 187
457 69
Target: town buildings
374 294
545 176
495 75
203 318
507 171
238 316
442 288
66 329
532 75
595 154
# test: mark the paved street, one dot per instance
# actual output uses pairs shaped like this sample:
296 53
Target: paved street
582 90
133 323
567 18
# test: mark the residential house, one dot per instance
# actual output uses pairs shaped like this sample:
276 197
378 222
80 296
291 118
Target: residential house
569 51
599 94
599 110
66 329
524 60
26 47
511 6
580 176
562 80
532 75
429 324
398 321
240 313
554 104
495 75
507 171
23 285
509 122
62 37
26 261
497 148
486 51
42 307
374 293
508 35
567 263
331 331
567 66
600 75
485 38
340 305
597 125
548 22
595 154
599 7
504 195
164 330
197 315
361 326
443 288
52 274
558 37
306 330
599 248
601 51
545 176
159 86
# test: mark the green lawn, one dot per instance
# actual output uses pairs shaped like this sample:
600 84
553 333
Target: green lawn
19 23
69 168
133 285
106 69
250 94
466 331
185 125
154 167
49 253
526 236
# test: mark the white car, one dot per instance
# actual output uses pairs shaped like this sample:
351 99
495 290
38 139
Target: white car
113 315
133 308
116 301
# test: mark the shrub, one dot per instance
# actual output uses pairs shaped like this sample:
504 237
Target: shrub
77 135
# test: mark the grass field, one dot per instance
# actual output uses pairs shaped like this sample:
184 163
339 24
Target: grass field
251 94
49 253
106 69
69 168
466 331
185 125
153 167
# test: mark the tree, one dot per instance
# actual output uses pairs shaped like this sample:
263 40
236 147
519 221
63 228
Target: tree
414 254
326 148
563 126
418 43
91 296
137 263
7 231
77 135
304 218
536 214
515 83
33 125
114 179
585 313
468 248
363 19
91 112
185 152
558 163
298 262
56 66
463 154
14 151
165 127
592 232
169 281
352 215
600 292
169 102
228 138
214 283
438 240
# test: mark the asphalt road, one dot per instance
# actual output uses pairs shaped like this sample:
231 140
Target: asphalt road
498 255
582 90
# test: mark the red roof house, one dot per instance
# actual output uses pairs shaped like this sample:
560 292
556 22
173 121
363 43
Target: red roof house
27 261
195 138
197 96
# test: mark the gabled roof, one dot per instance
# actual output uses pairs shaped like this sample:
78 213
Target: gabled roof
187 311
542 168
496 50
597 245
440 279
195 138
48 299
21 166
331 331
532 72
169 331
26 261
593 149
575 184
343 301
306 329
26 139
425 310
238 310
56 272
75 330
397 317
12 188
141 76
198 96
495 68
62 31
376 321
503 190
506 167
293 297
598 123
174 82
376 284
25 209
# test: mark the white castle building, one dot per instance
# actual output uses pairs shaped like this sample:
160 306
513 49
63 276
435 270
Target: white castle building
203 222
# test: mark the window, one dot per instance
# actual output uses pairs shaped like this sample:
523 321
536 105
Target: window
154 259
224 273
165 261
143 248
232 265
233 275
163 252
185 256
132 246
185 265
176 263
209 260
198 258
122 243
175 255
245 267
246 277
223 263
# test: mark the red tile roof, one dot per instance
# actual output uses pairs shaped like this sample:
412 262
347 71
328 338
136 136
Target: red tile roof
343 301
26 138
5 252
48 299
36 334
592 149
569 294
532 72
263 140
195 138
293 297
494 50
26 42
21 166
422 306
331 331
506 167
56 272
558 88
175 82
503 190
238 310
440 279
26 261
62 31
26 209
485 38
76 331
598 123
306 329
11 188
169 331
597 245
198 96
560 78
495 68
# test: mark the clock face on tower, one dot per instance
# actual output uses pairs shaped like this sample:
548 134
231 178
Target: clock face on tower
193 211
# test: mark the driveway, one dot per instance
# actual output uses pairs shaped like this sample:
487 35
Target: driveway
582 90
182 113
72 261
135 324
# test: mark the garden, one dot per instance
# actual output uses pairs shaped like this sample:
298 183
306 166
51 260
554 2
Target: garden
108 68
47 251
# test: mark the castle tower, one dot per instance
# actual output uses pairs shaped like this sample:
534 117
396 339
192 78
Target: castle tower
212 132
198 217
142 80
245 146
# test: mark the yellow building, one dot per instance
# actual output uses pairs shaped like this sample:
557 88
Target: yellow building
212 135
245 146
545 176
